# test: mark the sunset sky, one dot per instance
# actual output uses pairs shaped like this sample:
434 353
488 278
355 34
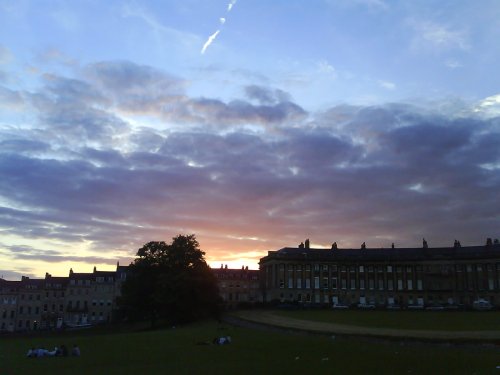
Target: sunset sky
254 124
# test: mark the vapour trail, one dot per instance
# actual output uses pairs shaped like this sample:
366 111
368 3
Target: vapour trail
222 21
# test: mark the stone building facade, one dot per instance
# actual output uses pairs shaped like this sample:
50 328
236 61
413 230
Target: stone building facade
55 302
407 277
238 287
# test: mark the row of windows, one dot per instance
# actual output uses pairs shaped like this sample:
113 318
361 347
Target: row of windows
433 268
6 314
99 279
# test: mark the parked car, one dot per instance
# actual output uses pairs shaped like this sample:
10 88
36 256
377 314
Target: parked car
481 304
340 306
435 307
366 306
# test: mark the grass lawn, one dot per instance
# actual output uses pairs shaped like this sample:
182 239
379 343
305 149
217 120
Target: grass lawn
175 351
418 320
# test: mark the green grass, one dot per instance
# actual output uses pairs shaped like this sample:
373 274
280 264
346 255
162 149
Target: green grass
175 351
417 320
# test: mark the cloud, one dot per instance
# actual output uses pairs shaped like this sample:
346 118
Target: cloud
387 85
78 174
325 67
266 95
11 99
438 36
25 252
5 55
453 64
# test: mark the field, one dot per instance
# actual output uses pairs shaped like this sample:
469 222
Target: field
182 351
415 320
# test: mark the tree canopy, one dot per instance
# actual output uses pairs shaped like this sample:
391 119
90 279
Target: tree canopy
170 282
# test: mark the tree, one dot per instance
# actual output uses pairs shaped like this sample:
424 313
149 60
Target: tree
170 282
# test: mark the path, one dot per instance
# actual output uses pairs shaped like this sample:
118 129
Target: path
270 318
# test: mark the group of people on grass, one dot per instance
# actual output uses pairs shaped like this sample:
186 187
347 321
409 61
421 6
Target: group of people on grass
223 340
59 351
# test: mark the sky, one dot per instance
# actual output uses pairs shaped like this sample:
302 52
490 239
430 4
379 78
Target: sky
252 124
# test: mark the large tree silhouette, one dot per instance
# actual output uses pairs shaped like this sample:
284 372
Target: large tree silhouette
170 282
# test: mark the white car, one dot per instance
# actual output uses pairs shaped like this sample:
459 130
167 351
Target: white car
340 306
481 304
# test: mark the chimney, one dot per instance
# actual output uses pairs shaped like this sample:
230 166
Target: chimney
307 244
334 246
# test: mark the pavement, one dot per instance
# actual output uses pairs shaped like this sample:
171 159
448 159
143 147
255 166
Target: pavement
271 319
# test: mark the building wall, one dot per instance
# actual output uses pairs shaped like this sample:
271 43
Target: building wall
9 292
390 281
238 287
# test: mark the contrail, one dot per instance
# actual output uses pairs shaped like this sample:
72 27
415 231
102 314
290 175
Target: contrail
231 5
222 21
209 41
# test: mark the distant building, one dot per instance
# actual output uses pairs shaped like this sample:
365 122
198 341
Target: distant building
238 287
55 302
9 294
408 277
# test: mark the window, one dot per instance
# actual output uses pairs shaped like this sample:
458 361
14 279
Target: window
381 284
361 268
410 284
325 282
316 282
400 284
419 284
353 283
389 268
390 284
361 284
334 283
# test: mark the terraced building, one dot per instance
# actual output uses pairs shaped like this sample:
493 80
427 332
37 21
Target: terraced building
407 277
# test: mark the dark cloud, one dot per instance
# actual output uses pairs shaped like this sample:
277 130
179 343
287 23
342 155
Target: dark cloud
384 174
29 253
266 95
10 99
241 112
